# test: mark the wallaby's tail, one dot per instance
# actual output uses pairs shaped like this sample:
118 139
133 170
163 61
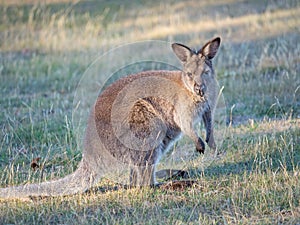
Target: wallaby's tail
79 181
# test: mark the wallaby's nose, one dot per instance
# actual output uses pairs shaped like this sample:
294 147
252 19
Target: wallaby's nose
199 89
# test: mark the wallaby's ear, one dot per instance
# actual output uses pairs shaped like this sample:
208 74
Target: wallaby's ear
182 52
210 49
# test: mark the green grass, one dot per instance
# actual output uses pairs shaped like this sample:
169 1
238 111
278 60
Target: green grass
44 50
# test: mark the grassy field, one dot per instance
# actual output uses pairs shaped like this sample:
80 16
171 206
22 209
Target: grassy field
45 49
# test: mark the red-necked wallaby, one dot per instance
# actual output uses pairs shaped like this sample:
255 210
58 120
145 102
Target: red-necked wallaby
136 119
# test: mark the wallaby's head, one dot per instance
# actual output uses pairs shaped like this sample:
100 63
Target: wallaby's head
197 65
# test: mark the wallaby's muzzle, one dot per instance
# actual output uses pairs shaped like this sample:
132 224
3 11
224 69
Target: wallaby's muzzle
199 89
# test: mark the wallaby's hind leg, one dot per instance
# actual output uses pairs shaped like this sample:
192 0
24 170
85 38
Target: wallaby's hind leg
142 176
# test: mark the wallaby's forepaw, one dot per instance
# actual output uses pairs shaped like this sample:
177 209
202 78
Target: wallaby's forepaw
200 146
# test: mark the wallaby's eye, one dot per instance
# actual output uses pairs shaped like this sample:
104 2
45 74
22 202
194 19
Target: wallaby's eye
189 74
206 72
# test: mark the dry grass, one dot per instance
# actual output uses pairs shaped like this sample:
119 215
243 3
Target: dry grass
44 50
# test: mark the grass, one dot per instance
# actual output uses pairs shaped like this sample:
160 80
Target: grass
46 47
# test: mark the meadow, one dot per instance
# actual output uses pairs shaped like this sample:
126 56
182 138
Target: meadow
46 47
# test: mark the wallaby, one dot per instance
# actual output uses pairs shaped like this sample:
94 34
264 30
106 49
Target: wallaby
136 119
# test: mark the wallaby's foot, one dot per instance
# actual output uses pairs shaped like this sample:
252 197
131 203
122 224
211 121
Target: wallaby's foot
200 146
169 174
180 174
